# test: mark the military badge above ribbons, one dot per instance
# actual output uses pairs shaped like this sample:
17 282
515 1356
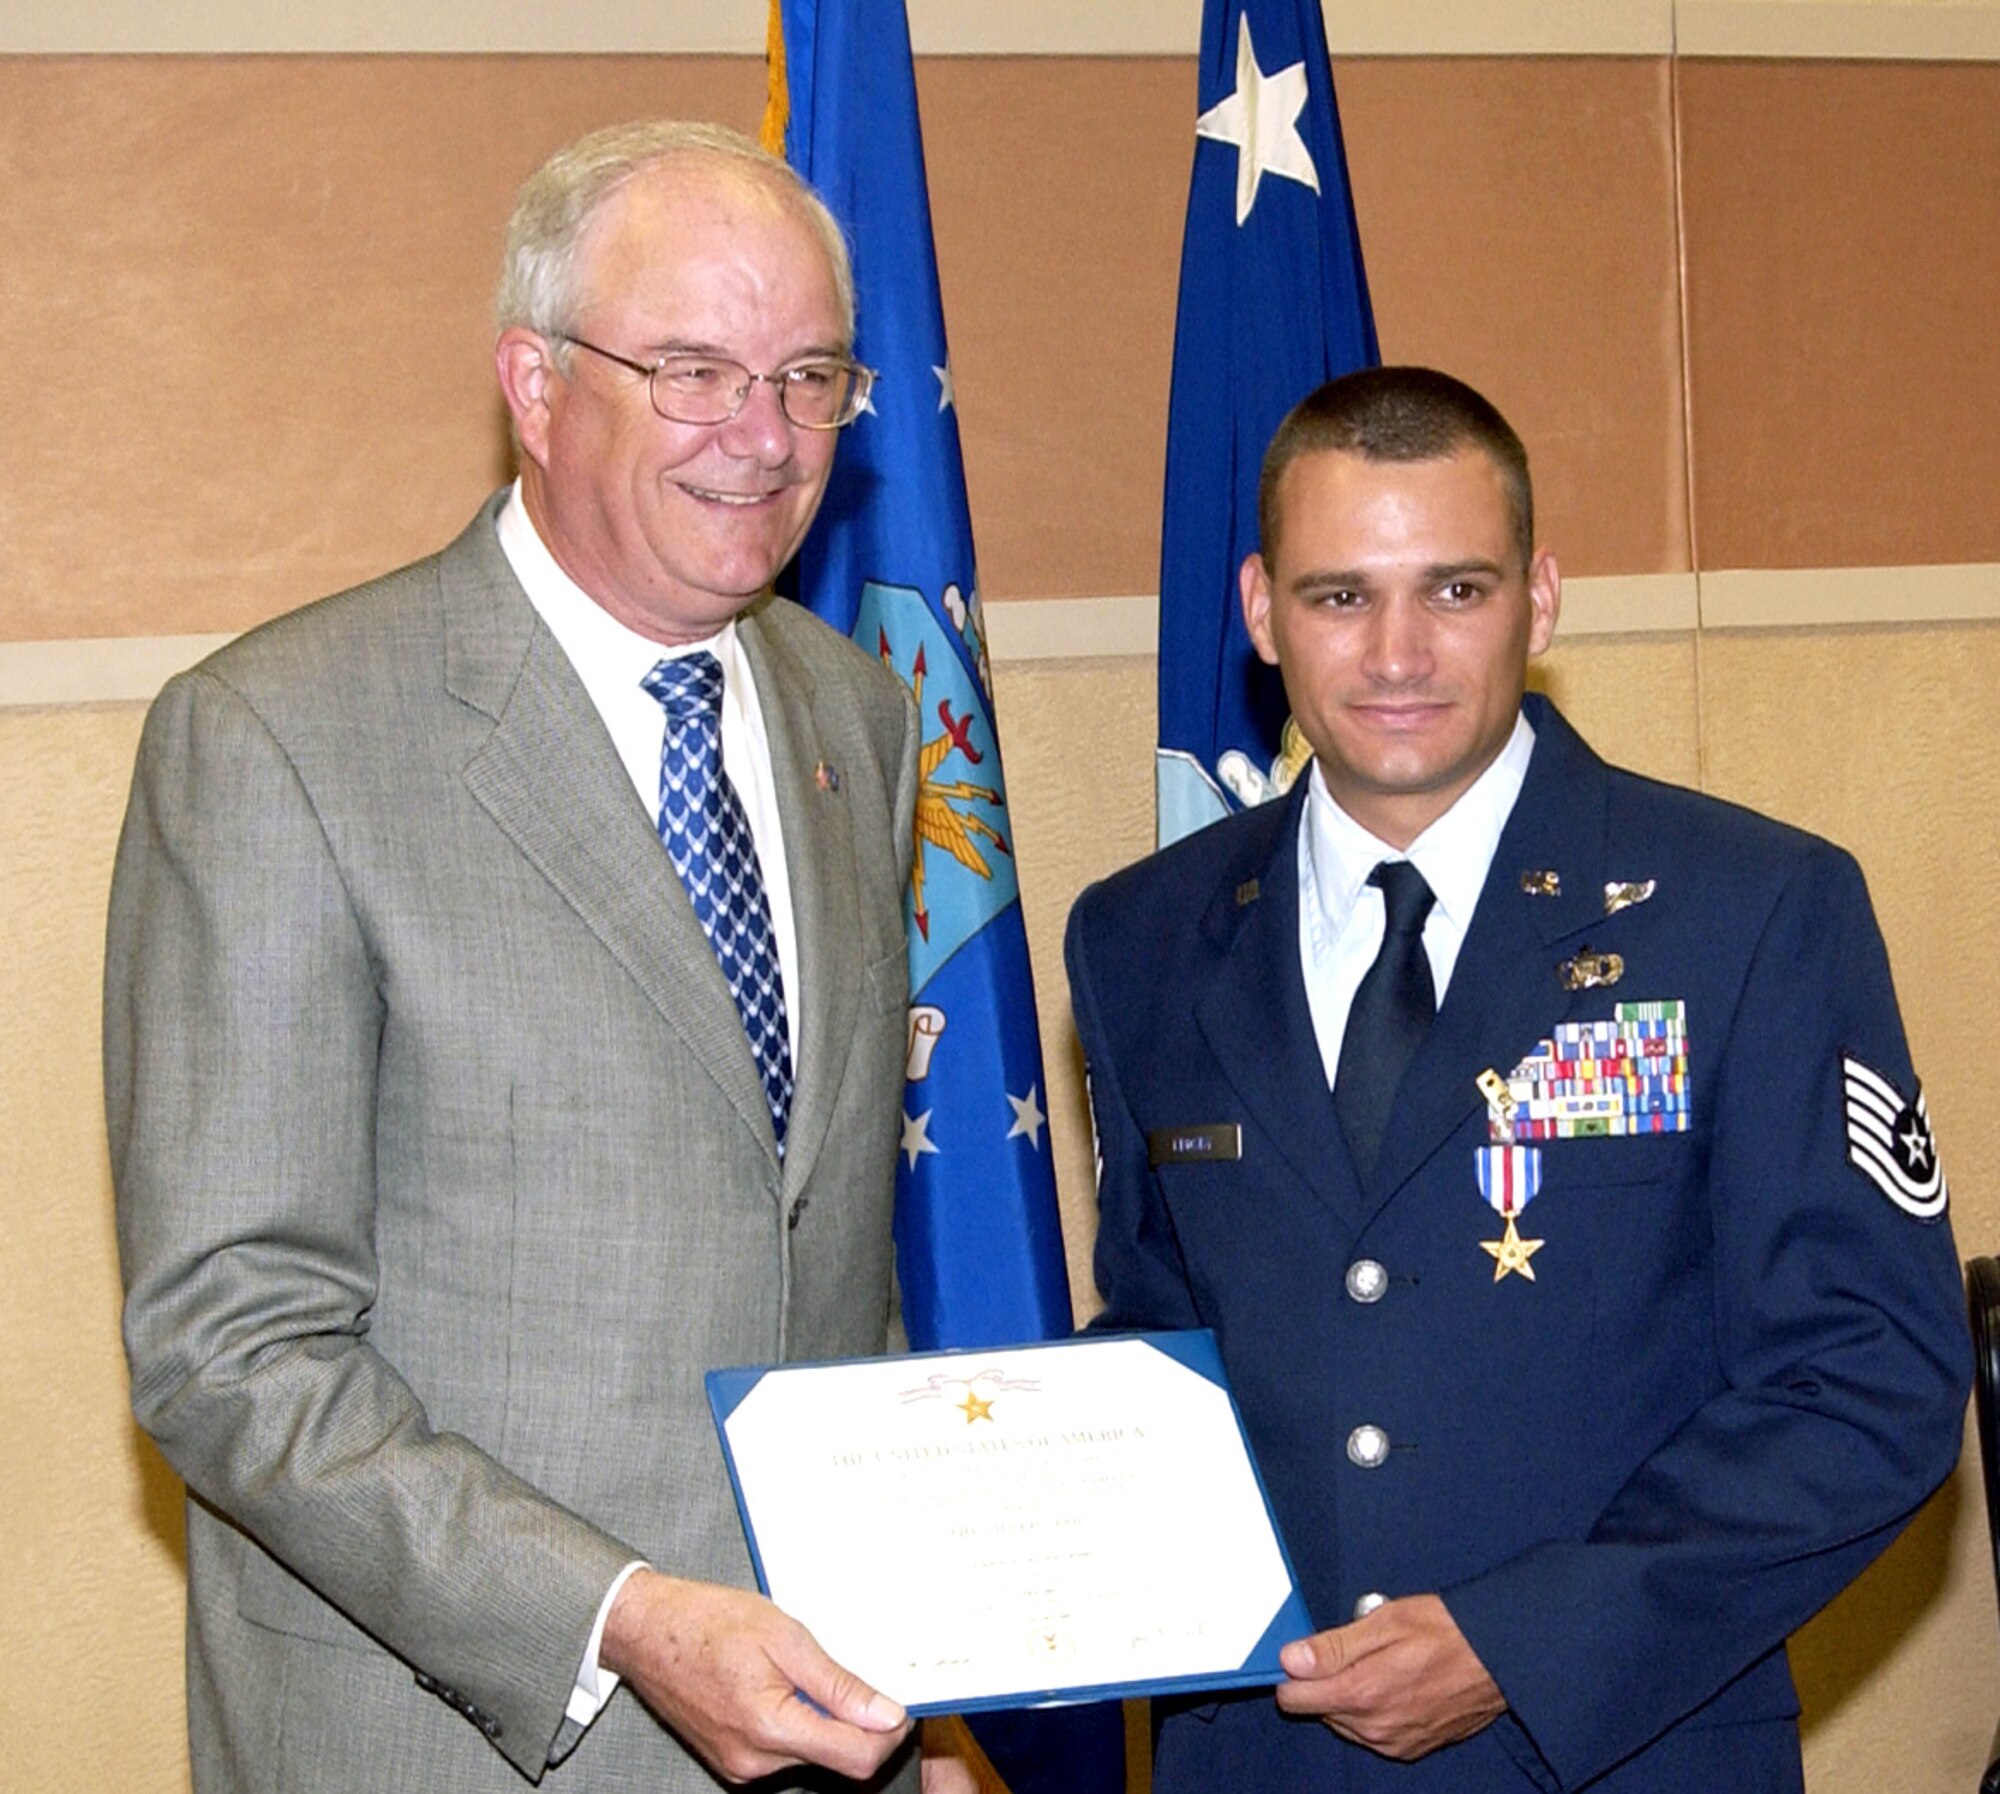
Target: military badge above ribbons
1889 1141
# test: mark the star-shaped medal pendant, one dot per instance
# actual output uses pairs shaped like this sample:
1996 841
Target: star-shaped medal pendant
1511 1253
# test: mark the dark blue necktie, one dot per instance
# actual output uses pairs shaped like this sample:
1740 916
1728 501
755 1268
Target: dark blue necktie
1392 1008
707 836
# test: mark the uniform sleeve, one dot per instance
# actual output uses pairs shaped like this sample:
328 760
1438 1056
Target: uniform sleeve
242 1025
1843 1371
1138 1264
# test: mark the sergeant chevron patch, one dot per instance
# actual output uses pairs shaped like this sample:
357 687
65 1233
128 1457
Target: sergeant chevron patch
1890 1142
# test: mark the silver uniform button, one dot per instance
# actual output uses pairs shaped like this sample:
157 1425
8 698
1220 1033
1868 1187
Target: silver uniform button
1367 1446
1366 1280
1368 1603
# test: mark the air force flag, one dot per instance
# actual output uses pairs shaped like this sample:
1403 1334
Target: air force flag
889 562
1273 303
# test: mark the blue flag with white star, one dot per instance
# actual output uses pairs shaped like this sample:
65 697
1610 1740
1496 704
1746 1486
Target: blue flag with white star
889 561
1273 302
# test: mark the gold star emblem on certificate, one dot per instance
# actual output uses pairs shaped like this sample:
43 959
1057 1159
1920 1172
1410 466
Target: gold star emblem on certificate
1511 1253
975 1409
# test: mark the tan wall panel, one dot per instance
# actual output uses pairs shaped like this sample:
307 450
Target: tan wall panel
262 365
1529 244
1635 699
1517 217
1932 29
303 248
1896 1677
1078 741
1527 241
1058 191
90 1584
1843 252
1881 739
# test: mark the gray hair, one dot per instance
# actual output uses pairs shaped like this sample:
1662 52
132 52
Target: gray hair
555 206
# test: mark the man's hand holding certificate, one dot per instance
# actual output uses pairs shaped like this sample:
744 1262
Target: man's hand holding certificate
1000 1528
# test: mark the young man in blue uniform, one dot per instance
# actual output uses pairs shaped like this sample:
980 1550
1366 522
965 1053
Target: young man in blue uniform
1543 1146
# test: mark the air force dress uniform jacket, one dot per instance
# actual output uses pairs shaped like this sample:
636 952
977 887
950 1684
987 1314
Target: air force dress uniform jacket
1739 1365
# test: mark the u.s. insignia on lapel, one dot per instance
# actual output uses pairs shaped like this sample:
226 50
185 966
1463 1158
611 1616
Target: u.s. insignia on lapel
1889 1141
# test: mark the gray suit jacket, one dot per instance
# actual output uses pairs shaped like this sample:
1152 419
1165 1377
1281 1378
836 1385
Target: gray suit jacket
444 1172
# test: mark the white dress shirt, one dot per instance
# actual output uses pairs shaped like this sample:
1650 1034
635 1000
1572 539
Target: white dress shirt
1341 916
611 660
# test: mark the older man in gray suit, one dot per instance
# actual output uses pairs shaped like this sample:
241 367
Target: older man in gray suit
458 1127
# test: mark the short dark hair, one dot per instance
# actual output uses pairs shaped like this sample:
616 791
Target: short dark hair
1397 414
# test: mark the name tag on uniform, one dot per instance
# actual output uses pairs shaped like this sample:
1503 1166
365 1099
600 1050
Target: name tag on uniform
1191 1145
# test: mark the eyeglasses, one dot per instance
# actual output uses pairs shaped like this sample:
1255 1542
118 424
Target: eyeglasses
707 389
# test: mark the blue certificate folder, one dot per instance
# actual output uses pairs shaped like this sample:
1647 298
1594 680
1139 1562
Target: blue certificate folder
1196 1351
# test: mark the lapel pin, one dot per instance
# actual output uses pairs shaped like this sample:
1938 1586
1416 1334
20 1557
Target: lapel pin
1623 896
826 777
1542 884
1588 970
1246 893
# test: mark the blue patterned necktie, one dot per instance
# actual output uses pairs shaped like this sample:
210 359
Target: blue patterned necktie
707 836
1391 1013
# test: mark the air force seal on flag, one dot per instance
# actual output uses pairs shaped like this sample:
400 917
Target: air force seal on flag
956 890
1890 1141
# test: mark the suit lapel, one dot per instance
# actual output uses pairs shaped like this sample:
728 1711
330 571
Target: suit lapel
549 777
1252 1010
821 868
1506 990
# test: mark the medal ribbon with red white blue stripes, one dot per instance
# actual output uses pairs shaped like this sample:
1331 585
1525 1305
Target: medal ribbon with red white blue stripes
1510 1177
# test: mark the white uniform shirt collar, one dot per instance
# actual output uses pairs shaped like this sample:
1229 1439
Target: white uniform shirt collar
1453 854
1340 914
611 660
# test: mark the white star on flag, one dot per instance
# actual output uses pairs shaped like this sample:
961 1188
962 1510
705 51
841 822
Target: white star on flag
947 393
1028 1117
1261 118
917 1137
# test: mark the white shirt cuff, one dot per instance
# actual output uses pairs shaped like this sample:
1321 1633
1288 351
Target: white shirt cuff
595 1684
